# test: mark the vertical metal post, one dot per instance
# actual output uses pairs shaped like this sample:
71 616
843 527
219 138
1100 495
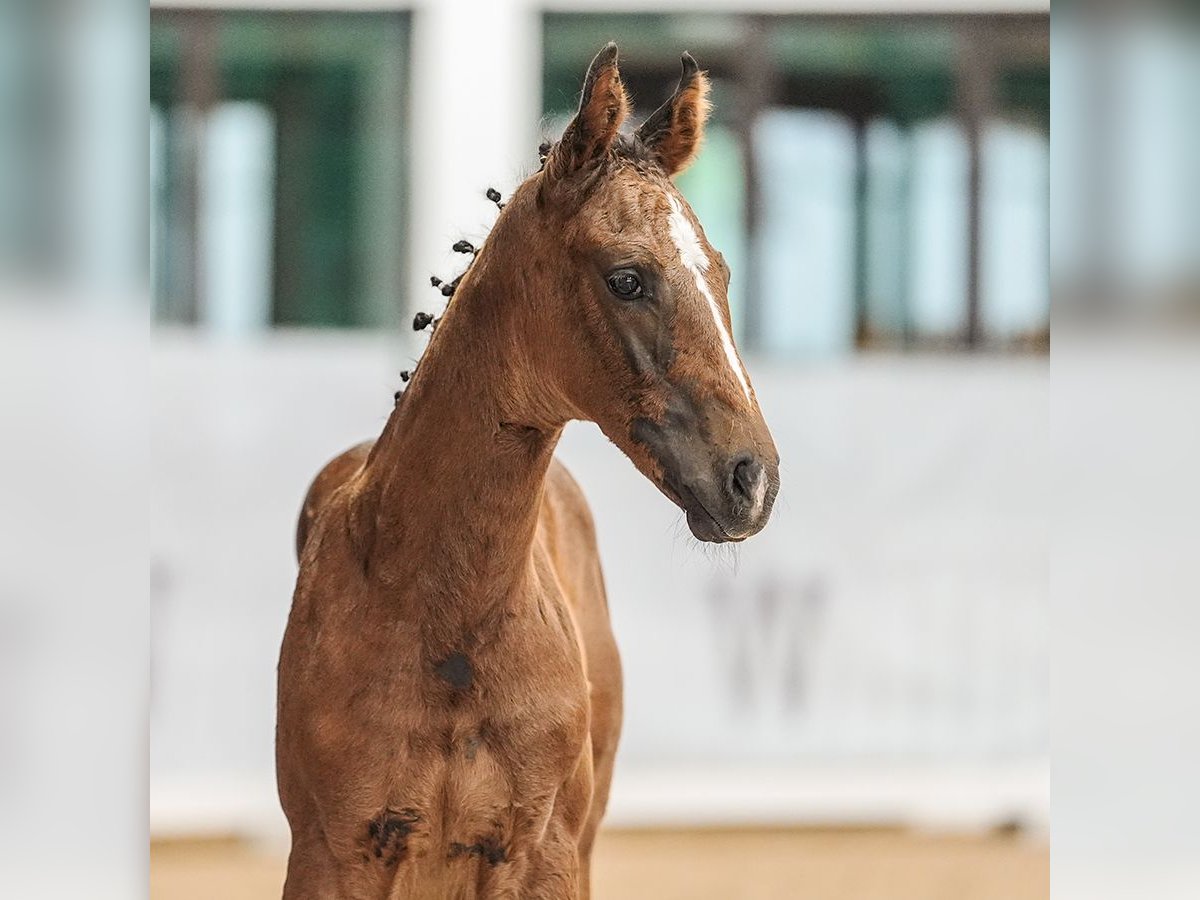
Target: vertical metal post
199 90
905 243
975 72
862 325
753 72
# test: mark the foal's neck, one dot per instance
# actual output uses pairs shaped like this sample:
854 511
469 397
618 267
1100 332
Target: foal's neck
452 490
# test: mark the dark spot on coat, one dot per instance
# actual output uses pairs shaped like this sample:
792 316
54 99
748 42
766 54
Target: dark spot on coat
456 670
387 834
489 849
471 745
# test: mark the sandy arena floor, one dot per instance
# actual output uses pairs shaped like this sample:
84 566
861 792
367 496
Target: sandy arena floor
696 865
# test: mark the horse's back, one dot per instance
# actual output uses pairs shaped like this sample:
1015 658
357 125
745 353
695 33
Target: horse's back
332 476
569 536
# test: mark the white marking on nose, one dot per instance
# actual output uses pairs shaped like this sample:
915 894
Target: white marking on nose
760 494
692 254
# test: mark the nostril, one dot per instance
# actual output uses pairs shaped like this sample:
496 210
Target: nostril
749 480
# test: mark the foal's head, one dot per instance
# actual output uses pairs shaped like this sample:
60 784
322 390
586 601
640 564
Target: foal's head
629 303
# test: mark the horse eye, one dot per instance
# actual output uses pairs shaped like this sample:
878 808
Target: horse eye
626 284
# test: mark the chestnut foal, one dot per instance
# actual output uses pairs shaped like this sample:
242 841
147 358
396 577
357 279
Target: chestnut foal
449 687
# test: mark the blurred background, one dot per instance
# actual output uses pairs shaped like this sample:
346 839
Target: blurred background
879 182
860 699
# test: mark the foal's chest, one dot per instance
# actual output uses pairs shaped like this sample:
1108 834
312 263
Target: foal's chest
477 755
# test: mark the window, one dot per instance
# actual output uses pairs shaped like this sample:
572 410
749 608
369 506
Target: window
278 168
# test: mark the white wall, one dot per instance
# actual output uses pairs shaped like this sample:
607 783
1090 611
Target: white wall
879 652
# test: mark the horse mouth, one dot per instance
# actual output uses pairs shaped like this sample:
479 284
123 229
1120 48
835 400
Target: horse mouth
702 523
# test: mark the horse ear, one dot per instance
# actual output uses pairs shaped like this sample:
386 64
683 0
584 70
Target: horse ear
602 109
675 130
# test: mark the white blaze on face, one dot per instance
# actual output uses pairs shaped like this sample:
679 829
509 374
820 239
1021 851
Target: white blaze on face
695 260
